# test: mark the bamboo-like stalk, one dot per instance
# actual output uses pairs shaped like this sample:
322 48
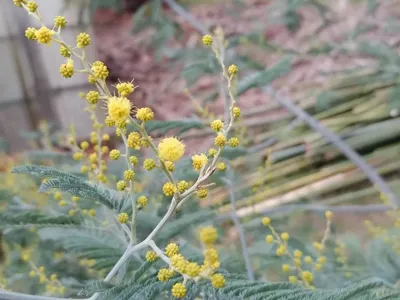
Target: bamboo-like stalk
308 191
275 173
382 159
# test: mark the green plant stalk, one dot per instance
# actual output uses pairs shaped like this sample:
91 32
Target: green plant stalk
177 199
131 193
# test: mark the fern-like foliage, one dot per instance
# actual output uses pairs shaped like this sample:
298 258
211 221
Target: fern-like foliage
238 288
164 126
75 185
106 247
39 220
95 287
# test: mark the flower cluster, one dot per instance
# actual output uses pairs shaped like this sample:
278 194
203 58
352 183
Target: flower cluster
192 270
95 153
52 284
301 267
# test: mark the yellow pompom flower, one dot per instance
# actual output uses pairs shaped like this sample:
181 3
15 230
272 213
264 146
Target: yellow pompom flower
32 273
322 260
220 140
125 88
145 142
170 166
64 51
121 129
292 279
77 156
169 189
102 178
32 6
164 274
178 262
71 212
44 35
285 236
119 109
217 125
105 149
93 157
233 69
58 196
92 212
211 257
178 290
83 40
221 166
144 114
318 246
76 198
63 203
100 71
92 97
212 152
308 259
84 145
199 160
84 169
182 186
266 221
285 268
133 160
121 185
297 253
93 80
207 40
234 142
60 21
328 215
208 235
105 137
129 175
19 3
192 269
133 140
218 281
67 69
171 149
318 267
297 262
281 250
115 154
269 239
53 277
171 249
30 33
236 112
202 193
149 164
151 255
142 201
123 218
93 138
307 276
